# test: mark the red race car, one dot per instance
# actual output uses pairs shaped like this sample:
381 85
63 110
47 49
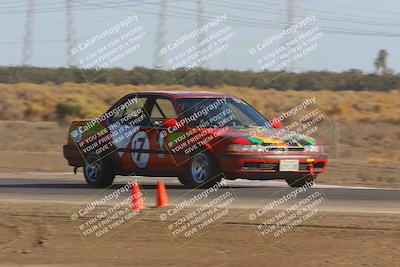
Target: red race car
199 137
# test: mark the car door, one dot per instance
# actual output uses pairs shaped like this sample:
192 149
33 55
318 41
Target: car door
161 159
128 128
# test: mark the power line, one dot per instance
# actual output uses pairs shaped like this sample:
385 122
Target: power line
338 17
374 10
351 19
245 22
68 6
263 23
118 5
268 10
89 6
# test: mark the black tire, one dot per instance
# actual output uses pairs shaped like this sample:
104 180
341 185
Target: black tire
99 173
182 180
301 180
202 171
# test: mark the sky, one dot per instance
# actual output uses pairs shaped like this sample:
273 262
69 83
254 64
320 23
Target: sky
353 31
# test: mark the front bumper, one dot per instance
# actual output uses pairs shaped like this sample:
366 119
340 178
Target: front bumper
266 165
72 155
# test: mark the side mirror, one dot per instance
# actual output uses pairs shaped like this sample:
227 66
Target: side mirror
169 123
276 123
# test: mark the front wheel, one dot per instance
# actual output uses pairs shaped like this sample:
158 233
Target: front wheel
301 180
202 171
98 173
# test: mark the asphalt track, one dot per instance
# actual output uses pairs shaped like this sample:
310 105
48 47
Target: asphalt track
71 189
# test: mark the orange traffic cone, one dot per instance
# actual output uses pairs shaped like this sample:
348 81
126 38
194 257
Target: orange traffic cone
137 198
162 198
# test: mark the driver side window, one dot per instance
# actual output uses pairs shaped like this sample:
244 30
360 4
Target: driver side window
162 109
133 111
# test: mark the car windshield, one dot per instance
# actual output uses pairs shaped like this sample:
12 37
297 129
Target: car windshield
219 112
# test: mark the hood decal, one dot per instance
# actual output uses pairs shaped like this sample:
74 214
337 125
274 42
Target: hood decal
273 137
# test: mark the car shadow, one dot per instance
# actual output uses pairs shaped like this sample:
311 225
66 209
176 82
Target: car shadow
113 187
78 186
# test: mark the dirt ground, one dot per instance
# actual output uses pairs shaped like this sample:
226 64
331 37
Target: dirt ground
366 154
43 234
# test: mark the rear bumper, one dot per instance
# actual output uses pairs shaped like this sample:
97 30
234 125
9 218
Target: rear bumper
266 166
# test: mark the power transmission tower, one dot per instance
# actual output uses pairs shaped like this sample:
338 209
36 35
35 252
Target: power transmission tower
161 40
71 42
291 6
200 23
291 19
29 31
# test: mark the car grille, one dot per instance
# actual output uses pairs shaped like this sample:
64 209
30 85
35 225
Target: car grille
275 166
283 149
260 166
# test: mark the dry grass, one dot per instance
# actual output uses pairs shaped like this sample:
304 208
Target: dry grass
37 102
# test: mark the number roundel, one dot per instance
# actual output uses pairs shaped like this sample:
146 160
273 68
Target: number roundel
139 143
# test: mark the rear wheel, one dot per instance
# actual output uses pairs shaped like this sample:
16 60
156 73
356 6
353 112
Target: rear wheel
301 180
202 171
98 173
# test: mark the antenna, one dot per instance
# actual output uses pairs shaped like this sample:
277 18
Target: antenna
71 42
161 40
29 30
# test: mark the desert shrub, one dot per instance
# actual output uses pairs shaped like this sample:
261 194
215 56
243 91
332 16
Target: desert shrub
312 80
63 102
78 107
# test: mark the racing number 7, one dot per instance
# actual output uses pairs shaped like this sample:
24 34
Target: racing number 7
139 141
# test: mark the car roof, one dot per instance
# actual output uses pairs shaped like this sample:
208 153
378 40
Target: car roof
185 94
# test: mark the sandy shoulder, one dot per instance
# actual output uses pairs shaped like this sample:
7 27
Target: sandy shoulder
38 234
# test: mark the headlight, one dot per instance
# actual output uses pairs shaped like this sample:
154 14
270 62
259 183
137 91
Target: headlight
313 149
245 148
